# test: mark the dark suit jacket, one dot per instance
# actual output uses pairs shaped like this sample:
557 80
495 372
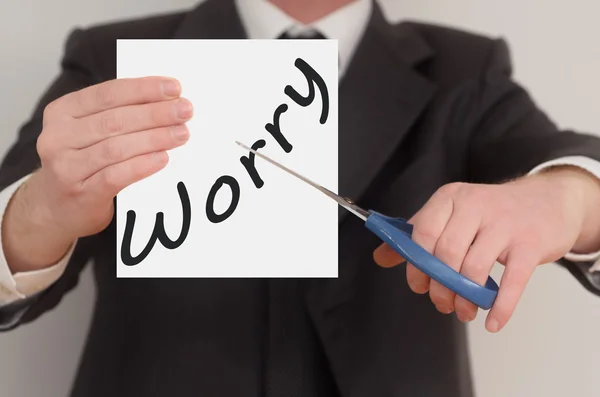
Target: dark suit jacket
420 106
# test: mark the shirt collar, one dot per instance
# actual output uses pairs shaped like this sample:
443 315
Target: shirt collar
263 20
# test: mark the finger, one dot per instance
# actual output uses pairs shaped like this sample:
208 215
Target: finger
385 256
112 179
93 129
428 225
418 281
117 93
451 249
124 147
477 265
521 262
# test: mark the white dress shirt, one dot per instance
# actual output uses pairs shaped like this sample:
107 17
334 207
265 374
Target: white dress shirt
261 20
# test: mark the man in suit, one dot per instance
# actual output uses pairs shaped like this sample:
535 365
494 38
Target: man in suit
432 128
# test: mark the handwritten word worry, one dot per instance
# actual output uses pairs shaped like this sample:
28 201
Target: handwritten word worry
313 78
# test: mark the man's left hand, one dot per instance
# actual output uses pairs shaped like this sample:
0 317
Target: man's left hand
521 224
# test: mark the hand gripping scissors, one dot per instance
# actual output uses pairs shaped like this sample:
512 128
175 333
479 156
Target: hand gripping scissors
397 232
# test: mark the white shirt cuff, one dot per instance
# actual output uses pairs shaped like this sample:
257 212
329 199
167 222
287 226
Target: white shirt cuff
23 285
593 167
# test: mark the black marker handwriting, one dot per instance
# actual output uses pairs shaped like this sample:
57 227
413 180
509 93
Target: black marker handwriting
159 231
248 163
274 129
235 198
313 77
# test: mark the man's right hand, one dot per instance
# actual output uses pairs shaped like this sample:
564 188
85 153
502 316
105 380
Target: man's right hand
94 143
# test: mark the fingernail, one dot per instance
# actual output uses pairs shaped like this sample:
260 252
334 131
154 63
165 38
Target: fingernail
419 288
184 109
180 132
493 325
444 309
463 318
171 88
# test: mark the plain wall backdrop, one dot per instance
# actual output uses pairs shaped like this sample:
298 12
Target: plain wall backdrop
547 349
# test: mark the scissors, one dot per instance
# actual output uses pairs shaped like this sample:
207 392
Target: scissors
397 232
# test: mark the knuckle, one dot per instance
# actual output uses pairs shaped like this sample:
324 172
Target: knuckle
156 140
48 146
525 245
73 188
425 233
449 247
104 95
110 124
155 113
163 139
49 111
475 266
162 113
479 192
61 171
112 151
450 189
65 176
478 196
110 179
44 146
139 87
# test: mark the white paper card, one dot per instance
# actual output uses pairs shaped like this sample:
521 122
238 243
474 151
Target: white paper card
272 225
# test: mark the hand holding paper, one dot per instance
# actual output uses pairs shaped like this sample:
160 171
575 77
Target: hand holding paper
215 211
95 142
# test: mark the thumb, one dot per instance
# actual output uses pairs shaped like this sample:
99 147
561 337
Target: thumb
385 256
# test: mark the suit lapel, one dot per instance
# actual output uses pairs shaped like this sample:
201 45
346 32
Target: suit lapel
380 98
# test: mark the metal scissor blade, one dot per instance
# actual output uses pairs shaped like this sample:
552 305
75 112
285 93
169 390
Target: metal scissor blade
344 202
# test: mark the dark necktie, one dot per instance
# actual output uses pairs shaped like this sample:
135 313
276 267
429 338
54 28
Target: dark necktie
289 370
313 34
308 35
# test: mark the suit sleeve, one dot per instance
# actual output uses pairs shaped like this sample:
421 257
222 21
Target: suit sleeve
510 136
77 72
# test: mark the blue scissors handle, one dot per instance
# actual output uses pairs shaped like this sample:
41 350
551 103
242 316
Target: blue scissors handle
396 233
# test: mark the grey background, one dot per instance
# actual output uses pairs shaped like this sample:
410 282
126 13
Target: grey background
547 348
